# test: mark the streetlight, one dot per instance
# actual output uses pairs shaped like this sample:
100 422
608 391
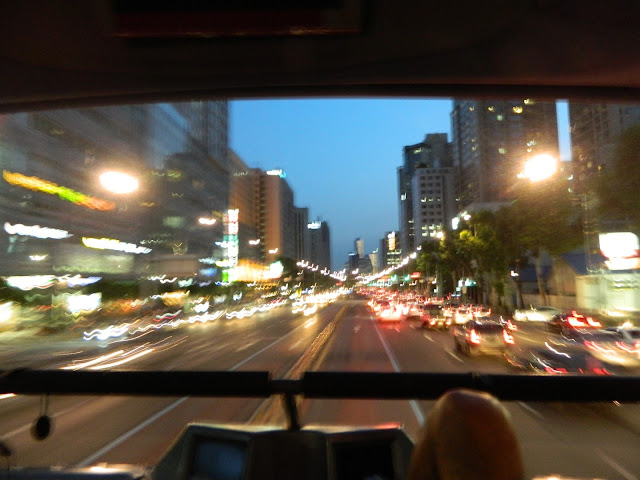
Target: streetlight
539 167
119 182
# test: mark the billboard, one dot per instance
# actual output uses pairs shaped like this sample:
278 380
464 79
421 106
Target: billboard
621 249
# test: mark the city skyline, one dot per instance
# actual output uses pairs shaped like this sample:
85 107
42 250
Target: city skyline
341 156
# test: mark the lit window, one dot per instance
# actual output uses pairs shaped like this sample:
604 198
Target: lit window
471 109
491 109
528 101
502 150
517 109
499 118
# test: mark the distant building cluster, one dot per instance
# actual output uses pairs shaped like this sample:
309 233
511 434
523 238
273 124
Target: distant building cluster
194 208
439 179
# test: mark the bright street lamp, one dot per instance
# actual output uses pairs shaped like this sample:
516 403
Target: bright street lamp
119 182
539 167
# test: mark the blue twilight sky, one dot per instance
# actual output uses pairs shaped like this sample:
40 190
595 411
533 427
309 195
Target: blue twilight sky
341 156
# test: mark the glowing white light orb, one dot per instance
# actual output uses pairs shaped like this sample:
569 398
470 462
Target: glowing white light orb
119 182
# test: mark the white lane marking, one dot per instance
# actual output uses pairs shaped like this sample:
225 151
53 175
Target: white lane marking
450 353
92 458
293 346
249 344
531 410
26 427
394 363
428 337
615 465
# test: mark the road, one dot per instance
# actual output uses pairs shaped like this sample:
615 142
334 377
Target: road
594 440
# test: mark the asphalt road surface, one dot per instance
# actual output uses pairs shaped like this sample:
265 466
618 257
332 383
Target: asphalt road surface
590 440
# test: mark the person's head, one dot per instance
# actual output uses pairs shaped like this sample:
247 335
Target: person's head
468 436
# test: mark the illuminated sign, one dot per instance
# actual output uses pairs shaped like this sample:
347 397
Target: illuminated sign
231 243
112 244
314 225
37 184
35 231
621 250
277 173
415 275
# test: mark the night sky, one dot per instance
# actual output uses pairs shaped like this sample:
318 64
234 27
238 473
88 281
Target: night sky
341 156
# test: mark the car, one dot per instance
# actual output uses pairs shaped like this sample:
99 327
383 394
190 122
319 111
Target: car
412 310
554 359
479 336
536 314
607 346
433 317
565 323
389 312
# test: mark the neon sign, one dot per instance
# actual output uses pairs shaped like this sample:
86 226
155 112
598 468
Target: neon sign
112 244
37 184
35 231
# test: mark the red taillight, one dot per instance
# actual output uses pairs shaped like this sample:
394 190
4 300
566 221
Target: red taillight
601 371
474 337
555 370
508 338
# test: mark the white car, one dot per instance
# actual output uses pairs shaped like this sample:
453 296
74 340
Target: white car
536 314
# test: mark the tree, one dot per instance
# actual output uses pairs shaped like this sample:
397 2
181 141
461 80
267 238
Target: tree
617 185
547 219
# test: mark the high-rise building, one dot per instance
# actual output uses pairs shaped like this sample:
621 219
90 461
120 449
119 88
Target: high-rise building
595 128
434 152
434 201
359 246
276 213
491 141
390 250
302 233
374 258
52 160
319 243
244 182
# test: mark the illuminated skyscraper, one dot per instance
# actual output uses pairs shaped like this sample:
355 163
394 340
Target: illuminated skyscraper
434 152
492 140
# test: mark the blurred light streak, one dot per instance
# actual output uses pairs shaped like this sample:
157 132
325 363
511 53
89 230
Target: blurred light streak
78 366
7 395
167 316
123 361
